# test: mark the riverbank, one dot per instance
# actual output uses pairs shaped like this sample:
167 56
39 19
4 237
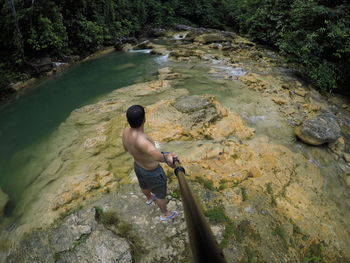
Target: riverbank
228 108
21 87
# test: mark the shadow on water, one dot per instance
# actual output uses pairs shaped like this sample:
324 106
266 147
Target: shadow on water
35 115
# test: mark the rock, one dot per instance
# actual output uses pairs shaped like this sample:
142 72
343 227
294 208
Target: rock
187 53
71 59
101 246
122 41
41 65
158 32
143 45
159 51
255 81
184 27
79 238
346 157
3 201
215 46
321 129
210 38
72 229
188 104
279 101
301 92
347 180
338 146
33 248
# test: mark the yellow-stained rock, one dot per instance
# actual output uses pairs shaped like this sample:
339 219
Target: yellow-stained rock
279 101
301 92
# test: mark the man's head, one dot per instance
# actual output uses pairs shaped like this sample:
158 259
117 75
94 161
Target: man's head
136 116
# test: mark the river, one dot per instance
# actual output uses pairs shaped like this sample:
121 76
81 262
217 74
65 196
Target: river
32 117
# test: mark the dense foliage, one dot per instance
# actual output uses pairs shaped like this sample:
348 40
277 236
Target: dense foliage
313 33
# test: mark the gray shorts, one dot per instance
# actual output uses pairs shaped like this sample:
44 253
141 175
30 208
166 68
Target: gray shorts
153 180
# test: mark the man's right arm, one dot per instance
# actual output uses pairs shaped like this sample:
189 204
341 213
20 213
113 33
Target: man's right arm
147 147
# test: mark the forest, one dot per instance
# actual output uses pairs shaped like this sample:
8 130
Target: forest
313 34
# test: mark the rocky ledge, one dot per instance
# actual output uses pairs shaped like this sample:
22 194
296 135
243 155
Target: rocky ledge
265 202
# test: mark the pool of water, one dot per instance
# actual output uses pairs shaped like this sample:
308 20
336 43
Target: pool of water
36 114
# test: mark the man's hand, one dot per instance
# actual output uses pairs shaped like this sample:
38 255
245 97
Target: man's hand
170 159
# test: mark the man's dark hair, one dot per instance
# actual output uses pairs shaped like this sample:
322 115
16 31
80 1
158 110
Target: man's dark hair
135 115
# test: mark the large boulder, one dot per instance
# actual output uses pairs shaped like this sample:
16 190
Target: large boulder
3 201
321 129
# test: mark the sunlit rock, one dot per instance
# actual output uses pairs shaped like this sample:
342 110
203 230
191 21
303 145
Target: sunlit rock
321 129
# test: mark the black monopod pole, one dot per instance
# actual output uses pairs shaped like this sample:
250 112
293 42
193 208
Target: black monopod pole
203 244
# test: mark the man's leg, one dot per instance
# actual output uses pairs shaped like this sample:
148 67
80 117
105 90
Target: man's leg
162 204
147 193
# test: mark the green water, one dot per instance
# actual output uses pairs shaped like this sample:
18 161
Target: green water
37 113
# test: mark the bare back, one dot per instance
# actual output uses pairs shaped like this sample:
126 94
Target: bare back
140 146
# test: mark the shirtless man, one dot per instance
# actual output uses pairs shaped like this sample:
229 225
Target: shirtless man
150 174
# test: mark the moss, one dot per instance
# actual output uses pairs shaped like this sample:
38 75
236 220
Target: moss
4 245
244 194
252 255
273 200
235 184
314 254
269 189
106 218
80 241
296 229
175 194
244 230
216 215
222 185
280 232
228 234
205 182
169 174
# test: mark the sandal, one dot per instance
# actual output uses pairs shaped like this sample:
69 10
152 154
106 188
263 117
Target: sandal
167 218
151 199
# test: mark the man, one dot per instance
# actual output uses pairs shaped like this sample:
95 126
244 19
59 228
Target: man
150 174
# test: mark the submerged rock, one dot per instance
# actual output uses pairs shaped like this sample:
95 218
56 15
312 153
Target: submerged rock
187 104
321 129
